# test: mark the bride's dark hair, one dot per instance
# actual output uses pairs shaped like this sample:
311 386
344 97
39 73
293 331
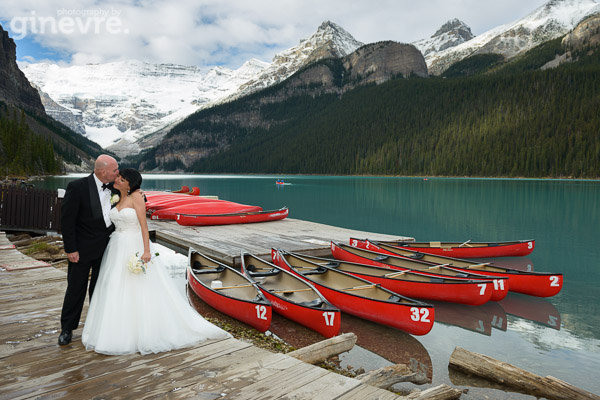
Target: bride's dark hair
133 177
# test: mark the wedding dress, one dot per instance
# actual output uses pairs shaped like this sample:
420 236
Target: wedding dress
143 312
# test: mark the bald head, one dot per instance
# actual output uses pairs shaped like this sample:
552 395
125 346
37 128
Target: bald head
106 168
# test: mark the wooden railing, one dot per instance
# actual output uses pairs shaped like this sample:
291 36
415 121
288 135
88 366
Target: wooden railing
27 208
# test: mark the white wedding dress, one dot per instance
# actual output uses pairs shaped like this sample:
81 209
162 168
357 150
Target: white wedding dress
143 313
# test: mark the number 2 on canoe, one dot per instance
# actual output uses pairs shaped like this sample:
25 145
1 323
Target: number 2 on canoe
261 312
554 281
419 314
329 317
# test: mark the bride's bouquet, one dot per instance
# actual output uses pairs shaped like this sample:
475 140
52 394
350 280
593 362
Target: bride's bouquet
136 265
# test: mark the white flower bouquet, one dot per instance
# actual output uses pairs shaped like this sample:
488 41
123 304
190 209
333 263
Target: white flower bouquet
114 199
136 265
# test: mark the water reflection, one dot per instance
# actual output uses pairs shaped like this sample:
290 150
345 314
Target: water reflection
532 308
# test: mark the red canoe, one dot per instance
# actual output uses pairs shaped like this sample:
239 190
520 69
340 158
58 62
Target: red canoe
175 201
411 283
293 297
228 291
541 284
203 208
466 249
232 218
362 256
362 298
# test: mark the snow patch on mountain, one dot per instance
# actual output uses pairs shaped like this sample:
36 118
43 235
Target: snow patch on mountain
452 33
551 20
122 102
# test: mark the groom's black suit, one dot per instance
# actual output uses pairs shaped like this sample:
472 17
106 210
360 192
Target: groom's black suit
83 231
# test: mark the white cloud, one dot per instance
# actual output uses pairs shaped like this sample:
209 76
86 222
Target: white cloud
229 32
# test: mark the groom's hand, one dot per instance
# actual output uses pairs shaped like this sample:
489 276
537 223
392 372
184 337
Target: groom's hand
73 257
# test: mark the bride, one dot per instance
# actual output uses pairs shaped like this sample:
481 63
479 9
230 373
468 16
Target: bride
138 312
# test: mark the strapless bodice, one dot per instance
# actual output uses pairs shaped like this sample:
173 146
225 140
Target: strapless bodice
125 220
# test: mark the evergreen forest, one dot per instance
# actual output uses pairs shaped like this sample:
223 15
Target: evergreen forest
23 152
484 118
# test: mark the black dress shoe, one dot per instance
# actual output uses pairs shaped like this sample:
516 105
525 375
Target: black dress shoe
65 337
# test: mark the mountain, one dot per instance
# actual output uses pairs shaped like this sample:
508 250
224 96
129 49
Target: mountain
330 40
15 89
452 33
129 106
214 130
31 143
122 102
551 20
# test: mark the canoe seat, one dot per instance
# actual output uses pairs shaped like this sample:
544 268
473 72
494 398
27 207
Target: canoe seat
395 298
271 272
381 258
416 256
197 268
251 269
333 264
436 280
320 270
313 303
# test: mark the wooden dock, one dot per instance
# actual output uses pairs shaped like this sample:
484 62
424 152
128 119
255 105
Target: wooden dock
226 242
34 366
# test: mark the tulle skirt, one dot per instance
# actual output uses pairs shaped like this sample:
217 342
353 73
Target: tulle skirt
143 313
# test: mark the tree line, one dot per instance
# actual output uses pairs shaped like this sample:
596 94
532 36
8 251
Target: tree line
23 152
517 123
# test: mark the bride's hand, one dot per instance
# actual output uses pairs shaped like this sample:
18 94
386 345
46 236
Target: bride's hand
146 257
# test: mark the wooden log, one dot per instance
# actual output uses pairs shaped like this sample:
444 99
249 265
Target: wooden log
387 377
441 392
509 375
321 351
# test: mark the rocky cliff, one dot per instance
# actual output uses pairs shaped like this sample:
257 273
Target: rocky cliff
14 86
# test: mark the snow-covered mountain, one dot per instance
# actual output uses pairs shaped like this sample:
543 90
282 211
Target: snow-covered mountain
452 33
124 105
553 19
122 102
330 40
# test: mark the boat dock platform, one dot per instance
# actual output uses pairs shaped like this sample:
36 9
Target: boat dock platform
34 365
226 242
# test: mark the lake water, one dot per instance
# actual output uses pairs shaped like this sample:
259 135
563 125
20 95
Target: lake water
558 336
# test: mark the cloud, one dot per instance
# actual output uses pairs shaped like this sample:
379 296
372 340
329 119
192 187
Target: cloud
229 32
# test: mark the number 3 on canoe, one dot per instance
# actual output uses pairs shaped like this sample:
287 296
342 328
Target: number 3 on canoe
419 314
261 312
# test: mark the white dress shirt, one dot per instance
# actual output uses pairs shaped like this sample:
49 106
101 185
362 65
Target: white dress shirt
104 195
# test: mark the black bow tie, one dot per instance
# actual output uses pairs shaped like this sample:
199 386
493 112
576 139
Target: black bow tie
105 186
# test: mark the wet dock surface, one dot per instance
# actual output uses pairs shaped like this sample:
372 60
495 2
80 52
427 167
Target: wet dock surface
33 365
226 242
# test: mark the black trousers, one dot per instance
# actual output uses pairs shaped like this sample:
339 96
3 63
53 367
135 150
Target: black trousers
77 286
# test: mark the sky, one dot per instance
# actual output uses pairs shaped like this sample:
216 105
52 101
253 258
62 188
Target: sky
206 33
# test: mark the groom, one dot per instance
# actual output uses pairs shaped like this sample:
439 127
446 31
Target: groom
86 227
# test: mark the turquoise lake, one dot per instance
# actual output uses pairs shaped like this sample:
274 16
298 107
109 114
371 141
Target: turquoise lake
558 336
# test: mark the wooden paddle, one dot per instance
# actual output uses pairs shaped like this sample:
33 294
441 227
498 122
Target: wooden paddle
479 265
233 287
361 287
290 291
395 274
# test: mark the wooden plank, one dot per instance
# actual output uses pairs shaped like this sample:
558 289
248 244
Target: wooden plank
368 392
143 375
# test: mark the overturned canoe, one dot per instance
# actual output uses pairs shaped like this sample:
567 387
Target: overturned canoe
541 284
412 283
228 291
232 218
293 297
468 249
214 207
362 298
